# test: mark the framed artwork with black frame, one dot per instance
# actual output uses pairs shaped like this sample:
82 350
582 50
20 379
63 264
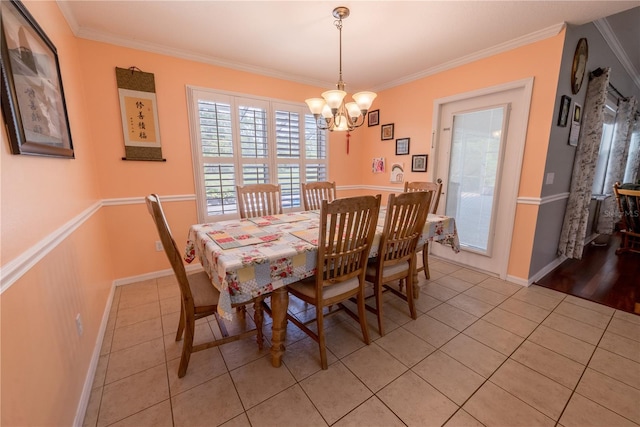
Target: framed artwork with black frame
419 163
563 115
33 104
386 131
373 118
402 146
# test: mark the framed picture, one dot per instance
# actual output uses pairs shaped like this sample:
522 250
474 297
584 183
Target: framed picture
565 106
32 98
419 163
374 118
402 146
386 132
574 133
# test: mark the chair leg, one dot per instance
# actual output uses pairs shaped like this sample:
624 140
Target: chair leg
258 318
425 260
180 323
187 347
412 307
362 315
378 292
321 339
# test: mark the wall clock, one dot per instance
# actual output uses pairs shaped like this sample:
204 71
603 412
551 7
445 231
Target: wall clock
579 66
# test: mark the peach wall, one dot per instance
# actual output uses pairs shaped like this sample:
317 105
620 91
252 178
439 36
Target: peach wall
44 361
410 108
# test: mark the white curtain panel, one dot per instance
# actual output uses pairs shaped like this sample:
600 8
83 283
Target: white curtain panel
574 227
631 174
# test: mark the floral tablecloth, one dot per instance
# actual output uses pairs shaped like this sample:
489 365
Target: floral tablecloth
266 253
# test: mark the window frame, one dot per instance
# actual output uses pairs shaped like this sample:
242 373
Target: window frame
234 99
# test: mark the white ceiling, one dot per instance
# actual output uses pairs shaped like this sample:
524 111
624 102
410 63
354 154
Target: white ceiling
385 43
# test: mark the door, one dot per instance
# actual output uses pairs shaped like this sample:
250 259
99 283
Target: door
479 148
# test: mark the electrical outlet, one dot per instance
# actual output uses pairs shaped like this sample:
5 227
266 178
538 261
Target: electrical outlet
79 326
159 247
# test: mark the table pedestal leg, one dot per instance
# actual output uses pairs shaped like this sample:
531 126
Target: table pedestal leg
279 306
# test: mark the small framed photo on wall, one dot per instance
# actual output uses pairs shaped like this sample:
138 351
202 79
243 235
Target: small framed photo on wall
374 118
402 146
563 115
419 163
386 132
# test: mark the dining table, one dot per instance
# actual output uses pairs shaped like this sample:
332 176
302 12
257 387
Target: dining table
246 258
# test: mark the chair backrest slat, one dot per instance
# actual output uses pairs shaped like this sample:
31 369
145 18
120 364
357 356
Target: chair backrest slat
313 193
434 187
259 200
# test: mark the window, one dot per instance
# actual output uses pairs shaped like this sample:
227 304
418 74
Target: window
605 150
239 139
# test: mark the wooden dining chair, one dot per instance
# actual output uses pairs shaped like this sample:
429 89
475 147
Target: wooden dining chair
347 228
313 193
259 200
435 188
628 199
199 296
396 260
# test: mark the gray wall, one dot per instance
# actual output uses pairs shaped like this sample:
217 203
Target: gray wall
560 155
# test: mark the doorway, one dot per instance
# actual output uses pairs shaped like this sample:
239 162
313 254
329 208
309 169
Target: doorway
479 146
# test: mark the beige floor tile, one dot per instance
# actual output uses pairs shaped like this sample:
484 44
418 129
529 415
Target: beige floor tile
438 291
131 335
101 371
211 403
493 406
140 296
495 337
469 275
511 322
442 266
551 293
582 412
564 344
453 316
170 305
533 388
486 295
173 348
500 286
203 366
449 376
549 363
406 347
107 342
170 323
625 328
431 330
290 407
374 366
303 358
473 354
239 421
158 415
416 402
617 367
335 391
602 309
372 413
133 394
574 328
454 283
93 408
582 314
526 310
536 298
463 419
610 393
342 339
257 381
137 358
470 305
168 289
395 312
622 346
629 317
241 352
424 303
129 316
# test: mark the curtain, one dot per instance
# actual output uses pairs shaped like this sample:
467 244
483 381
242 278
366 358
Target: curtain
631 174
617 163
574 227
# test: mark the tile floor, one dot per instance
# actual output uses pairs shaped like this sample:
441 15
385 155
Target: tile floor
482 352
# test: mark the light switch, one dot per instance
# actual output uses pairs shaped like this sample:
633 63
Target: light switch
550 177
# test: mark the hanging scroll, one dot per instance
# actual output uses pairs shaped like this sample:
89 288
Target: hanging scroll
139 109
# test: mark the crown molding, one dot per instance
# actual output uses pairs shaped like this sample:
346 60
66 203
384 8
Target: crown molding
610 37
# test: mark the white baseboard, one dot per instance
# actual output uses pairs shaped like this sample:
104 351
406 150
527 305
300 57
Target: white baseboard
547 269
154 275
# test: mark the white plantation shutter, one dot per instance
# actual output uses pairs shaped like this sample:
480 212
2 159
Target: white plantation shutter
239 139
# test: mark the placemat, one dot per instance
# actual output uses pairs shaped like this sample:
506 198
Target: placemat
262 221
230 239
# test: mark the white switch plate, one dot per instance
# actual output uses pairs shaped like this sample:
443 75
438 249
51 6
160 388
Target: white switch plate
550 177
159 247
79 326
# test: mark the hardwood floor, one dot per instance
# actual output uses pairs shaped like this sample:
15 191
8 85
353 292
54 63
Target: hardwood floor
600 276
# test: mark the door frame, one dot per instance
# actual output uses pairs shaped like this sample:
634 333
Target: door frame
519 139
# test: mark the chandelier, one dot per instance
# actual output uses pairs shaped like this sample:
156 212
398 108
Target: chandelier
337 115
